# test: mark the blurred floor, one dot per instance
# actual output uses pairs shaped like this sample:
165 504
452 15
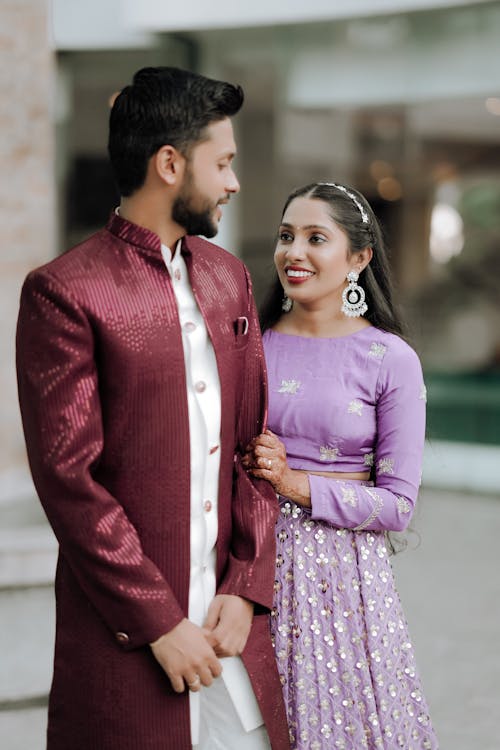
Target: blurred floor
450 589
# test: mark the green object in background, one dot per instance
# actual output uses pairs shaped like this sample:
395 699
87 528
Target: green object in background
480 204
463 407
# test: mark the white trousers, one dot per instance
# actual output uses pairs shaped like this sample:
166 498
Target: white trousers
220 725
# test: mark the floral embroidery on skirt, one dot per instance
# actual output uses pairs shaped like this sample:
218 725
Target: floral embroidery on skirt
341 641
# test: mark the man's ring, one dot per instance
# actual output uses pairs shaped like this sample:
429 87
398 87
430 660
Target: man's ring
269 463
194 683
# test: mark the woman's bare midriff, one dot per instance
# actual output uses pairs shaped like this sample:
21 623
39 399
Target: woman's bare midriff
361 476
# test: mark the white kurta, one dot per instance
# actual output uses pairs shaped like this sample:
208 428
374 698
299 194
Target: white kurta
204 405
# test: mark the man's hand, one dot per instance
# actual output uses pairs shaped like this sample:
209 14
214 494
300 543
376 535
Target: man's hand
228 620
187 657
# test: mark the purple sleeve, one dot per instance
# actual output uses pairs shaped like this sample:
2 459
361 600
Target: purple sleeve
387 506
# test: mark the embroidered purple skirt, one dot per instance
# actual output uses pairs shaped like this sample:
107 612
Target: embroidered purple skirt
341 640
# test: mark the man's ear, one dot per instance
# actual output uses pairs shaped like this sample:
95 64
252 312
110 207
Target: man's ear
169 164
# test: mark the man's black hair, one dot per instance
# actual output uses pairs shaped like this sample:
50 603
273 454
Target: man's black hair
163 106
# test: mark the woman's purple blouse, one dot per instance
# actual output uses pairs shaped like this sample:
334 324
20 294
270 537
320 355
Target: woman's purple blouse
350 404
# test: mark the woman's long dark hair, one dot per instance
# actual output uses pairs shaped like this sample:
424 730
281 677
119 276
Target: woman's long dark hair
376 278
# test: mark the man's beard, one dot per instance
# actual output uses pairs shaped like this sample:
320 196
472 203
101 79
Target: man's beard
194 221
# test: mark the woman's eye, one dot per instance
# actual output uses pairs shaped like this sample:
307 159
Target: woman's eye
316 239
285 237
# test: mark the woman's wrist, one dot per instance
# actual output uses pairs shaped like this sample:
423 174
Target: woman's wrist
295 486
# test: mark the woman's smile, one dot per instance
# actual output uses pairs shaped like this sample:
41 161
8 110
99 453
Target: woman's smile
297 275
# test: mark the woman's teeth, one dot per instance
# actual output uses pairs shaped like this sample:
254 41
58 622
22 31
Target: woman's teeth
298 274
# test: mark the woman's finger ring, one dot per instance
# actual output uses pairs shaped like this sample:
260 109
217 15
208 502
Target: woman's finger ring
194 683
269 463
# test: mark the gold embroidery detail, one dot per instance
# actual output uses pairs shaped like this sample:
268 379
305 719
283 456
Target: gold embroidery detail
289 386
328 454
355 407
377 350
349 496
403 505
385 466
379 504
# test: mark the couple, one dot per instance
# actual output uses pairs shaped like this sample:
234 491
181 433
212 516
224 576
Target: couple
143 393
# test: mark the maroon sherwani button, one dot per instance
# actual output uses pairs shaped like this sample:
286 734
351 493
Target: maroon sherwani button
122 637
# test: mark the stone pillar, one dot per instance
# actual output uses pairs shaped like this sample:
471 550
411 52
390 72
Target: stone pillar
27 210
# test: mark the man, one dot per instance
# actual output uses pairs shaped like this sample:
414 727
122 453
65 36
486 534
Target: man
141 380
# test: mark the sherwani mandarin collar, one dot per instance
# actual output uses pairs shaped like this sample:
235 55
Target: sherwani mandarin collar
133 234
142 238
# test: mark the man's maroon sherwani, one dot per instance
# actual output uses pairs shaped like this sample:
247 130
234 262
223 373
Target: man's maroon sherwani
103 397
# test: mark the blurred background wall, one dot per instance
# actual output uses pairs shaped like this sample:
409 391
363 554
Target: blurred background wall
400 98
27 193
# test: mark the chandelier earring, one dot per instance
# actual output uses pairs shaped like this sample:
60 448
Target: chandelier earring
286 304
353 297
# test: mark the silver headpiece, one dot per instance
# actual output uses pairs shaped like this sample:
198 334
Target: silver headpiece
356 201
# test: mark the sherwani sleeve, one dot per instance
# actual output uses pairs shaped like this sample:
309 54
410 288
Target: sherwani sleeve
250 570
389 505
61 412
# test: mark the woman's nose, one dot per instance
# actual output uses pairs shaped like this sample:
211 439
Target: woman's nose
295 251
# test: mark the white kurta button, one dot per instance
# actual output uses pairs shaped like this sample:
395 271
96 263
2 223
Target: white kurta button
207 506
213 450
177 274
189 327
200 386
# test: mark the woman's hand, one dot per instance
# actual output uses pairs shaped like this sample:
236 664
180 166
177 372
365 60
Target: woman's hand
266 459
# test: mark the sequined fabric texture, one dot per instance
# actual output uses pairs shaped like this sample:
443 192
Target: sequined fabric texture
101 376
341 640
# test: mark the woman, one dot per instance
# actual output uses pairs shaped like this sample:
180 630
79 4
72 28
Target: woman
343 452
